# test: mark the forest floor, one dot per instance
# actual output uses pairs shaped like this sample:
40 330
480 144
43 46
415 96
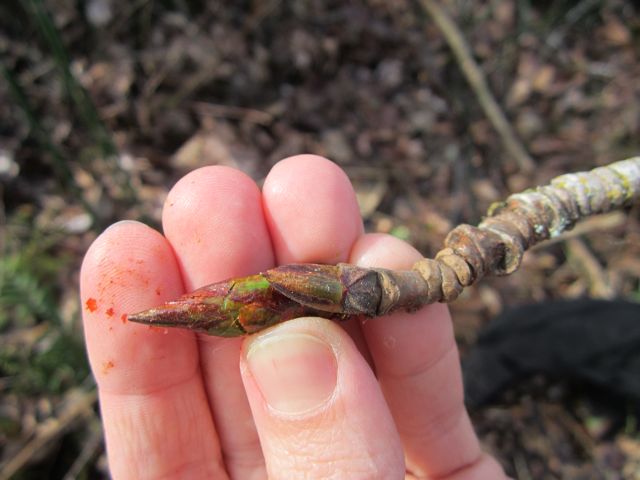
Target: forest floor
103 108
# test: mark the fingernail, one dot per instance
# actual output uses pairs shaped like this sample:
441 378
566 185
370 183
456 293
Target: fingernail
295 372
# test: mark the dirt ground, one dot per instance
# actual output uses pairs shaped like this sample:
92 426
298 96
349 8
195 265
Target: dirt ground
104 104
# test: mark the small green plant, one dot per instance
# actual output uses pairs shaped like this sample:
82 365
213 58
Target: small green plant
50 365
40 354
28 269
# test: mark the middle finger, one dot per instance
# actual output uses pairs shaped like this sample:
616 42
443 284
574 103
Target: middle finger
213 219
313 216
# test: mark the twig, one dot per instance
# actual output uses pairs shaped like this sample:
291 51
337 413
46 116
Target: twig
554 39
233 112
78 403
478 83
597 223
521 466
89 450
583 260
495 247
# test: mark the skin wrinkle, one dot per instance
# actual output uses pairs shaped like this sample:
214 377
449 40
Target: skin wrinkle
239 457
442 422
232 446
371 464
336 470
331 464
142 429
473 463
466 461
419 368
179 404
244 457
193 469
118 386
151 392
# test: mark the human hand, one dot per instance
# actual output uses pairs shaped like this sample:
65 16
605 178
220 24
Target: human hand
305 399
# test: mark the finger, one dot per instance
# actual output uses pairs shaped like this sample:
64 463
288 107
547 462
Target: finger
313 216
213 219
419 370
311 211
153 404
318 408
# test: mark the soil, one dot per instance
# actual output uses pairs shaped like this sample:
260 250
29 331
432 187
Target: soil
167 87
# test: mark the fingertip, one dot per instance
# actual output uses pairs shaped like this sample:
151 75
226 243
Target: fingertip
100 246
311 210
187 193
383 251
213 218
130 255
130 267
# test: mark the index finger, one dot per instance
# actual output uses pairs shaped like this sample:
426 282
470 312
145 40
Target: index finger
155 413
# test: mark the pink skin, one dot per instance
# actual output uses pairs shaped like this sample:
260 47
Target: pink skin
180 405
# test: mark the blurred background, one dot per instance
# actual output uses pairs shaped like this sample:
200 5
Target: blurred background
104 104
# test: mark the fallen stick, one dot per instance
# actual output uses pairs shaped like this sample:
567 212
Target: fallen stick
582 260
495 247
78 403
478 83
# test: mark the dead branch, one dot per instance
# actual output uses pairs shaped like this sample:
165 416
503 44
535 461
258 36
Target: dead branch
478 83
495 247
78 403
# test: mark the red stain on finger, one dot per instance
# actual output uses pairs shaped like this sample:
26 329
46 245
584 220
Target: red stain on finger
162 330
106 366
123 318
110 312
91 305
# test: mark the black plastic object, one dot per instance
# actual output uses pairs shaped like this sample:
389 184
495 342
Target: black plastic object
593 341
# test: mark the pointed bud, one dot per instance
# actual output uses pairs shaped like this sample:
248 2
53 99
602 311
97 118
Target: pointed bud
316 286
228 309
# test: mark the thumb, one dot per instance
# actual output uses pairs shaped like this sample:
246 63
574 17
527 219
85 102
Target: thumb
317 406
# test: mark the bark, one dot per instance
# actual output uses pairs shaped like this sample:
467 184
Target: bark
494 247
